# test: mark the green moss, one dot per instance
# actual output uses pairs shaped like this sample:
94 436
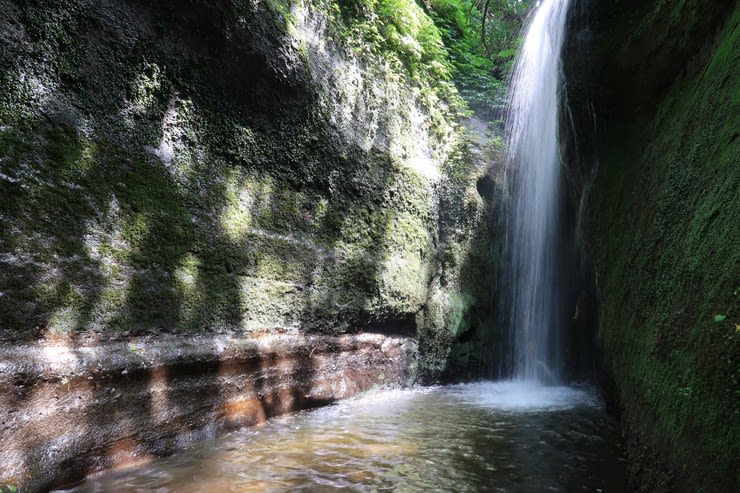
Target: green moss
161 194
670 224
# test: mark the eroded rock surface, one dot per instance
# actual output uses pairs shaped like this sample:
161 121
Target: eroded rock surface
71 407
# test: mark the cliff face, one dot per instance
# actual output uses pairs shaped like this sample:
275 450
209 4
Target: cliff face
233 166
230 172
666 221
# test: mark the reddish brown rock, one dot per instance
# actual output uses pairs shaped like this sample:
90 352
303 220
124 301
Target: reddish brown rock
69 408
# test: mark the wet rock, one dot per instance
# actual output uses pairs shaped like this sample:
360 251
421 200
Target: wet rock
185 389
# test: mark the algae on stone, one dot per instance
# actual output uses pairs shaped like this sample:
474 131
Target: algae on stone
232 166
667 225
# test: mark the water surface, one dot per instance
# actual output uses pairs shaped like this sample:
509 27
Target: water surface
461 438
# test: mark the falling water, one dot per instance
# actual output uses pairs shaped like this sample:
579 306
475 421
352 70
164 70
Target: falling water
533 233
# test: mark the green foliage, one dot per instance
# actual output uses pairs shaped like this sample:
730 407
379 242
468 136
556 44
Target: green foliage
412 34
482 50
401 33
447 41
459 23
503 22
439 42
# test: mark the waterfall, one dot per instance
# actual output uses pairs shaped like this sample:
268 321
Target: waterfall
533 242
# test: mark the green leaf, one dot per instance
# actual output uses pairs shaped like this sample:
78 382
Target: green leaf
12 488
507 53
719 318
65 381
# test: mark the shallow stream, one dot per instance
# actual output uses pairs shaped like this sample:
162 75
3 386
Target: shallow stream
462 438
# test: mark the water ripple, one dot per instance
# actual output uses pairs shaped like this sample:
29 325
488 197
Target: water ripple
505 436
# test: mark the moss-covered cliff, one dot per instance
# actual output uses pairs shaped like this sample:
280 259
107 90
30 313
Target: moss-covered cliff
667 228
228 166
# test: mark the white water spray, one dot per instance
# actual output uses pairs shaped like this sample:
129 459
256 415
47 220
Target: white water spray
533 242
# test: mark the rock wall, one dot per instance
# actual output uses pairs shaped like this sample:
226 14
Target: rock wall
204 170
666 223
233 166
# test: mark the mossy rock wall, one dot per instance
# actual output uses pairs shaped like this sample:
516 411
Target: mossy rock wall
667 230
228 166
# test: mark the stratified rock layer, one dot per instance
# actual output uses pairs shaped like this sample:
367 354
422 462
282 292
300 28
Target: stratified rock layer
71 407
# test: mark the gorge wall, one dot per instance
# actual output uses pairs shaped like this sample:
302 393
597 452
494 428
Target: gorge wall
665 216
225 171
233 166
280 203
